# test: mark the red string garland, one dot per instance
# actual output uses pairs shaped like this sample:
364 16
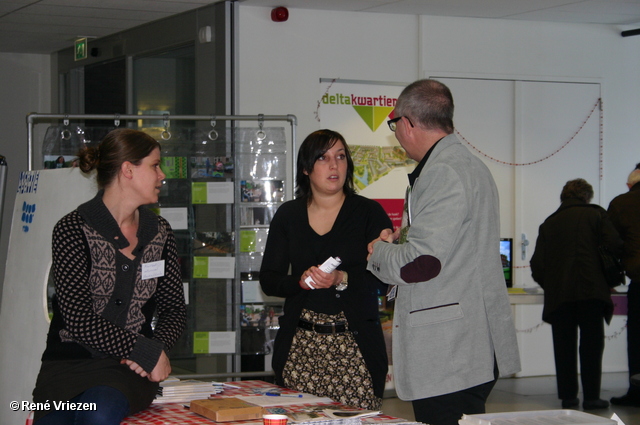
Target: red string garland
598 102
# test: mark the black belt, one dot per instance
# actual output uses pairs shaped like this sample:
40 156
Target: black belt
323 328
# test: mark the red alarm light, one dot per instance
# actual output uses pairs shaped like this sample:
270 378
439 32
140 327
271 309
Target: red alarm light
279 14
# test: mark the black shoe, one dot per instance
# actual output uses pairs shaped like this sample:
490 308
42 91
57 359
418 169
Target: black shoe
626 400
595 404
570 402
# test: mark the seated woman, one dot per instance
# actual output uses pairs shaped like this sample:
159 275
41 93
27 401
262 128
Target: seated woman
115 268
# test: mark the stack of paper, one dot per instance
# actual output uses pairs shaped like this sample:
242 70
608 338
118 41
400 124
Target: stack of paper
181 391
284 399
536 417
327 415
350 413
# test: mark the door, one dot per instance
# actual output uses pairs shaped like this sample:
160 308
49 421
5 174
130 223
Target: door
534 136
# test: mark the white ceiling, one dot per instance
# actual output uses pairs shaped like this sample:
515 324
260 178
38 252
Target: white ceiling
46 26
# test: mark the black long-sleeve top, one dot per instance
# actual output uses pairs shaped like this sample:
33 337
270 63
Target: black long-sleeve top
293 244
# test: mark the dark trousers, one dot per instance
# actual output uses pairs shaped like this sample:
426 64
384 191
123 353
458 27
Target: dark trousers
447 409
587 317
111 408
633 333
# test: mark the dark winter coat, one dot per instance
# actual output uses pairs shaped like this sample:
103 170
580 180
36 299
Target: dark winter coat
566 262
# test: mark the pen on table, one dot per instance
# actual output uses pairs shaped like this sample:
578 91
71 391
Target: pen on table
283 395
229 385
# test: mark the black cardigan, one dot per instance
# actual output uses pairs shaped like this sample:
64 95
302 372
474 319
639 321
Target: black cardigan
103 309
292 242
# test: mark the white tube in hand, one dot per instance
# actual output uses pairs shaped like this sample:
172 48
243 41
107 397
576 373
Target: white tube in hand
328 266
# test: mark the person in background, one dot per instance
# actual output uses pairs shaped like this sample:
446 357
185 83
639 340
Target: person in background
115 268
566 265
623 211
453 331
330 341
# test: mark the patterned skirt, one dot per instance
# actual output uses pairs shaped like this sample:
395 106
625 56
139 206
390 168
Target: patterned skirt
329 365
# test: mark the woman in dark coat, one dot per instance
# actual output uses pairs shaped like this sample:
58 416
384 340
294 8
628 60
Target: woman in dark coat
566 265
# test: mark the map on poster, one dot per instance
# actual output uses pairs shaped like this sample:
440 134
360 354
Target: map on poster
374 162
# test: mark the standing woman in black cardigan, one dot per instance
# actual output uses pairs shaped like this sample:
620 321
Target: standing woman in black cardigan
330 341
115 269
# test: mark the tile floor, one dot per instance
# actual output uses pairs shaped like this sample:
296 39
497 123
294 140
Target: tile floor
535 393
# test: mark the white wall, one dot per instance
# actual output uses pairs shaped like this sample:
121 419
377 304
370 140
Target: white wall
280 65
25 87
551 50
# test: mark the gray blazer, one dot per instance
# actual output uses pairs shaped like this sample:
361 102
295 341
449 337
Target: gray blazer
452 312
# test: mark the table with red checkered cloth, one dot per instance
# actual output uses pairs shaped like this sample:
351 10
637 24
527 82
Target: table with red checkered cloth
176 413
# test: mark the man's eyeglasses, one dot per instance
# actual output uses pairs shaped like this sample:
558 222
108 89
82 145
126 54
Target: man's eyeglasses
393 122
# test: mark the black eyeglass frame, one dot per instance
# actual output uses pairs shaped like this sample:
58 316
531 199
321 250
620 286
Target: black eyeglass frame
392 122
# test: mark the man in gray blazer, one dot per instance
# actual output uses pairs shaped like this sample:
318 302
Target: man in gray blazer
453 333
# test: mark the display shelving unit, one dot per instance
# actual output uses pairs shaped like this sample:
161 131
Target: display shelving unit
224 183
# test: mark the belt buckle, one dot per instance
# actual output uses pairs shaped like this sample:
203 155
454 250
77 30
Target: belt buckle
320 325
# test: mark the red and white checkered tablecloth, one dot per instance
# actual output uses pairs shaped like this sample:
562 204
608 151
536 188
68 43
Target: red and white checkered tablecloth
169 414
177 414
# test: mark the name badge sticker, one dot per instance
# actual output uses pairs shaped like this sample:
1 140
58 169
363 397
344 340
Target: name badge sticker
153 269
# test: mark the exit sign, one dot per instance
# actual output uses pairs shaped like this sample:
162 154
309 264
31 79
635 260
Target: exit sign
81 49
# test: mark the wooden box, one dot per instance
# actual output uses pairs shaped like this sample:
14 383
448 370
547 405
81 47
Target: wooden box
226 409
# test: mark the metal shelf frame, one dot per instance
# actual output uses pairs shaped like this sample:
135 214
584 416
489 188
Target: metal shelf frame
37 118
34 119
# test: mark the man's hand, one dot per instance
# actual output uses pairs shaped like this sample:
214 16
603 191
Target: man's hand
387 235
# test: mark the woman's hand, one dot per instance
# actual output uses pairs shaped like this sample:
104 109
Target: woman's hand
134 367
162 369
159 373
320 279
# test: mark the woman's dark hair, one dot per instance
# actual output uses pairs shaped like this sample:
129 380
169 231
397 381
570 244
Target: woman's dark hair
117 147
577 189
313 147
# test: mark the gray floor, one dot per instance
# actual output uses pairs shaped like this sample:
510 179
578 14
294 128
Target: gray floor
535 393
